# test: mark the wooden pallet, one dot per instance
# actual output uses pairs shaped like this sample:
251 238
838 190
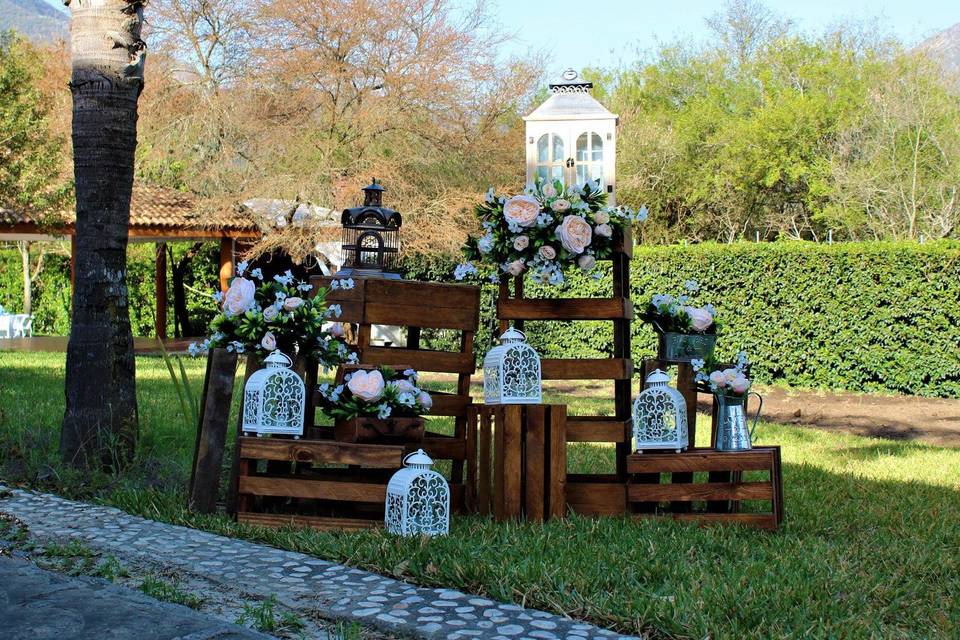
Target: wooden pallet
529 446
590 495
648 499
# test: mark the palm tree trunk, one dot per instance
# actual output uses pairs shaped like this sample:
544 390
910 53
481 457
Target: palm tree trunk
100 423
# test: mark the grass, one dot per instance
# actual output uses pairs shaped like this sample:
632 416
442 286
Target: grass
265 617
160 589
869 548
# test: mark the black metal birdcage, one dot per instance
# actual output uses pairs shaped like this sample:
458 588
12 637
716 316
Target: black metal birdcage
371 237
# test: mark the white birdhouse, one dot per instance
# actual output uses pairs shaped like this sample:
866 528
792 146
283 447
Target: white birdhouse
660 416
572 137
418 499
511 371
273 399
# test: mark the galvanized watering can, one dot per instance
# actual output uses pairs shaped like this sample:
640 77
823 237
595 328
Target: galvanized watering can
732 432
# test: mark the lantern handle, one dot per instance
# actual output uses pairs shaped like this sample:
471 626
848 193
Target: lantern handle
274 358
418 452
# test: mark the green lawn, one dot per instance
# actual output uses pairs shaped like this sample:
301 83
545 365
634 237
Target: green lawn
869 547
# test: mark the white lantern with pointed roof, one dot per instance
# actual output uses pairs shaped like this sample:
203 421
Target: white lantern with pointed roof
572 137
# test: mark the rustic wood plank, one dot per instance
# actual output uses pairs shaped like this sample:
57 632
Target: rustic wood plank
509 463
421 314
437 295
566 309
212 431
421 360
586 369
758 459
440 447
700 491
534 463
596 498
596 429
758 520
313 489
471 446
447 404
557 461
323 452
484 476
277 520
252 364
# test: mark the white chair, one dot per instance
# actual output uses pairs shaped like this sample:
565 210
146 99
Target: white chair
6 325
22 326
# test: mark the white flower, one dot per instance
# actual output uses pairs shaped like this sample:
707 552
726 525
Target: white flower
403 386
547 252
336 330
661 300
601 217
241 267
218 297
425 400
574 234
586 262
521 242
334 311
697 364
740 384
700 319
304 286
285 279
406 399
384 411
257 273
292 303
269 341
464 270
560 205
521 211
544 219
604 230
366 385
516 268
485 243
270 313
718 380
490 197
240 297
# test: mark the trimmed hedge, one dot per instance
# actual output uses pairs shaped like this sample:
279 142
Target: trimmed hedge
877 316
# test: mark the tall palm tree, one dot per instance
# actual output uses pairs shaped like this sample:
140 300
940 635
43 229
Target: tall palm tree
100 423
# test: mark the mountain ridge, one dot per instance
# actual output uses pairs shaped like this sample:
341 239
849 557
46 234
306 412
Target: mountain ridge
37 20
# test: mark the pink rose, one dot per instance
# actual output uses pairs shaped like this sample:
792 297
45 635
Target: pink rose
425 400
740 384
560 205
269 342
239 297
574 234
586 262
522 210
403 386
547 252
729 375
336 330
604 230
366 385
521 242
548 190
718 379
601 217
270 313
700 318
292 303
516 267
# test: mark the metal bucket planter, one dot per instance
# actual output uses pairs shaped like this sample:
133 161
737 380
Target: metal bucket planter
684 347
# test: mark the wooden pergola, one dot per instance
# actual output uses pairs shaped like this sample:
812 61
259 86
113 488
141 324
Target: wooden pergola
156 215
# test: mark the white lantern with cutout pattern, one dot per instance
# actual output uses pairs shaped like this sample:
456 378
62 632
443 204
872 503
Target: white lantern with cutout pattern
511 371
274 399
660 416
418 499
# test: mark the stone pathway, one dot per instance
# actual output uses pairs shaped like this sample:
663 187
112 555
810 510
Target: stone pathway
300 582
41 605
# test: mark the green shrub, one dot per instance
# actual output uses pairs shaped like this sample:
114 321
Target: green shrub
877 316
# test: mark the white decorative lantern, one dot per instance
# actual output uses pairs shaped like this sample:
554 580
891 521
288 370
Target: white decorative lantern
273 399
418 499
660 416
511 371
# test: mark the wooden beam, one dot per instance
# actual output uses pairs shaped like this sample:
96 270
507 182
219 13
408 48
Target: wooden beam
160 275
226 263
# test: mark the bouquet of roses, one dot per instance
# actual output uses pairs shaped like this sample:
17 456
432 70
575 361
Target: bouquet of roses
380 392
261 315
671 314
547 229
729 382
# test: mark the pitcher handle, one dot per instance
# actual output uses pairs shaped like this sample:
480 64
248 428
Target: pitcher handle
756 418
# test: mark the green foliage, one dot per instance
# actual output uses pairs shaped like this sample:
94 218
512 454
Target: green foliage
859 316
265 617
181 384
161 589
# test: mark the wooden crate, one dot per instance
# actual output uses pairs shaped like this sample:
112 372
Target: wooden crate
647 499
589 495
529 467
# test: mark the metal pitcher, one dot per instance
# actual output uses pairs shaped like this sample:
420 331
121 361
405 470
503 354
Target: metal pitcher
732 433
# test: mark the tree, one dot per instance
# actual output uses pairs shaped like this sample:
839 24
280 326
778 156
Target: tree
100 422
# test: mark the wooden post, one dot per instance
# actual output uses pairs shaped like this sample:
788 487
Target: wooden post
212 430
226 263
160 275
234 490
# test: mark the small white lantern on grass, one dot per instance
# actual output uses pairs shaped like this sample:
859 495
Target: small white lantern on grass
511 371
418 499
274 398
660 416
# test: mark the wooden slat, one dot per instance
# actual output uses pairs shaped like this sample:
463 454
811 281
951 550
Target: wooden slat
753 460
700 491
420 359
339 296
758 520
484 490
534 462
420 313
596 429
315 489
508 464
318 452
596 498
446 404
277 520
434 294
586 369
557 457
566 309
442 447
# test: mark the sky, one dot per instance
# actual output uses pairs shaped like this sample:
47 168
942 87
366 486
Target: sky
602 33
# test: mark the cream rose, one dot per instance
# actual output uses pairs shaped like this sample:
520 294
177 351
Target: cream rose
547 252
521 242
601 217
574 234
522 210
718 379
270 313
366 385
239 297
700 318
516 267
560 205
603 230
269 341
425 400
586 262
292 303
548 190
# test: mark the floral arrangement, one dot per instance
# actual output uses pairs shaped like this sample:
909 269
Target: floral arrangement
729 382
260 315
548 228
671 314
380 392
